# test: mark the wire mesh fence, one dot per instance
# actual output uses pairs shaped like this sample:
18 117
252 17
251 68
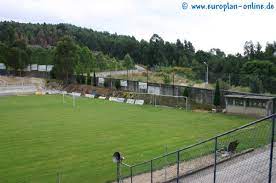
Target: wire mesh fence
244 154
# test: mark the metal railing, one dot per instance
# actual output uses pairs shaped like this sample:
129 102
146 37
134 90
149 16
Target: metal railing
243 154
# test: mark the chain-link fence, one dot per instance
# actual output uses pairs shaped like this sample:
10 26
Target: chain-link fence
244 154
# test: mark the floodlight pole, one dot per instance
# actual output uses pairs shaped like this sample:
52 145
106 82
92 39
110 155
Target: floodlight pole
207 72
173 84
147 80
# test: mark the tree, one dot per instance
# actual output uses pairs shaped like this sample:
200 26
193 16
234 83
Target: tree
156 51
43 56
270 52
101 62
3 53
183 61
186 92
17 59
88 81
94 79
108 47
255 84
217 95
264 70
66 58
128 63
258 51
87 60
249 50
7 33
18 56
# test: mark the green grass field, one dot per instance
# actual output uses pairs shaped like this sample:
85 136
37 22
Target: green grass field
41 136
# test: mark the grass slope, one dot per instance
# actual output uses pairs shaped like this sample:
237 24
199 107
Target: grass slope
40 136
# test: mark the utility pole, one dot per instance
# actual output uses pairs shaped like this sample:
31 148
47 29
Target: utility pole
173 84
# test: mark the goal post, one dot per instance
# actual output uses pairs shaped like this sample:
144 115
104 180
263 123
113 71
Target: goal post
162 100
69 99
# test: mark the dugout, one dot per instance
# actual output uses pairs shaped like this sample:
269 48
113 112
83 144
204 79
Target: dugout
250 105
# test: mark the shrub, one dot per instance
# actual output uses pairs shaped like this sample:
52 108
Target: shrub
83 79
53 73
117 84
78 78
224 85
106 83
166 79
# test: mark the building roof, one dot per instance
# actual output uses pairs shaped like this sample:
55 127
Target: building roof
251 97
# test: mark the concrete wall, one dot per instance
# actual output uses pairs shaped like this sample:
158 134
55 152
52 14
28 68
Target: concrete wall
199 95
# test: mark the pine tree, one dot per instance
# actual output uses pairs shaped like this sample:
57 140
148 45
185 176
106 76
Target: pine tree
186 92
88 81
94 79
217 95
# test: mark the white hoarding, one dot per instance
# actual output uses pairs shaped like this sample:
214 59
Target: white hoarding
123 83
101 80
28 68
154 90
49 68
42 68
130 101
139 102
142 86
34 67
2 66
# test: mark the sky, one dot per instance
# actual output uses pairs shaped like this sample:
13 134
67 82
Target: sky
206 29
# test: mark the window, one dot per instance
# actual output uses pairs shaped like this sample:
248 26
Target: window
256 103
230 101
239 102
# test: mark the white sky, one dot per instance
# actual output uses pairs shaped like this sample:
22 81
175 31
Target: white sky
141 18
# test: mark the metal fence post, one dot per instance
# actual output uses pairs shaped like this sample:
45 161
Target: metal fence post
131 174
177 178
271 148
151 178
215 164
118 172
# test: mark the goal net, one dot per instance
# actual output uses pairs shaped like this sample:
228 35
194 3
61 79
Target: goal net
161 100
70 98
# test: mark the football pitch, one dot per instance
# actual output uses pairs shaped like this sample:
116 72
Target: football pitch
40 136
